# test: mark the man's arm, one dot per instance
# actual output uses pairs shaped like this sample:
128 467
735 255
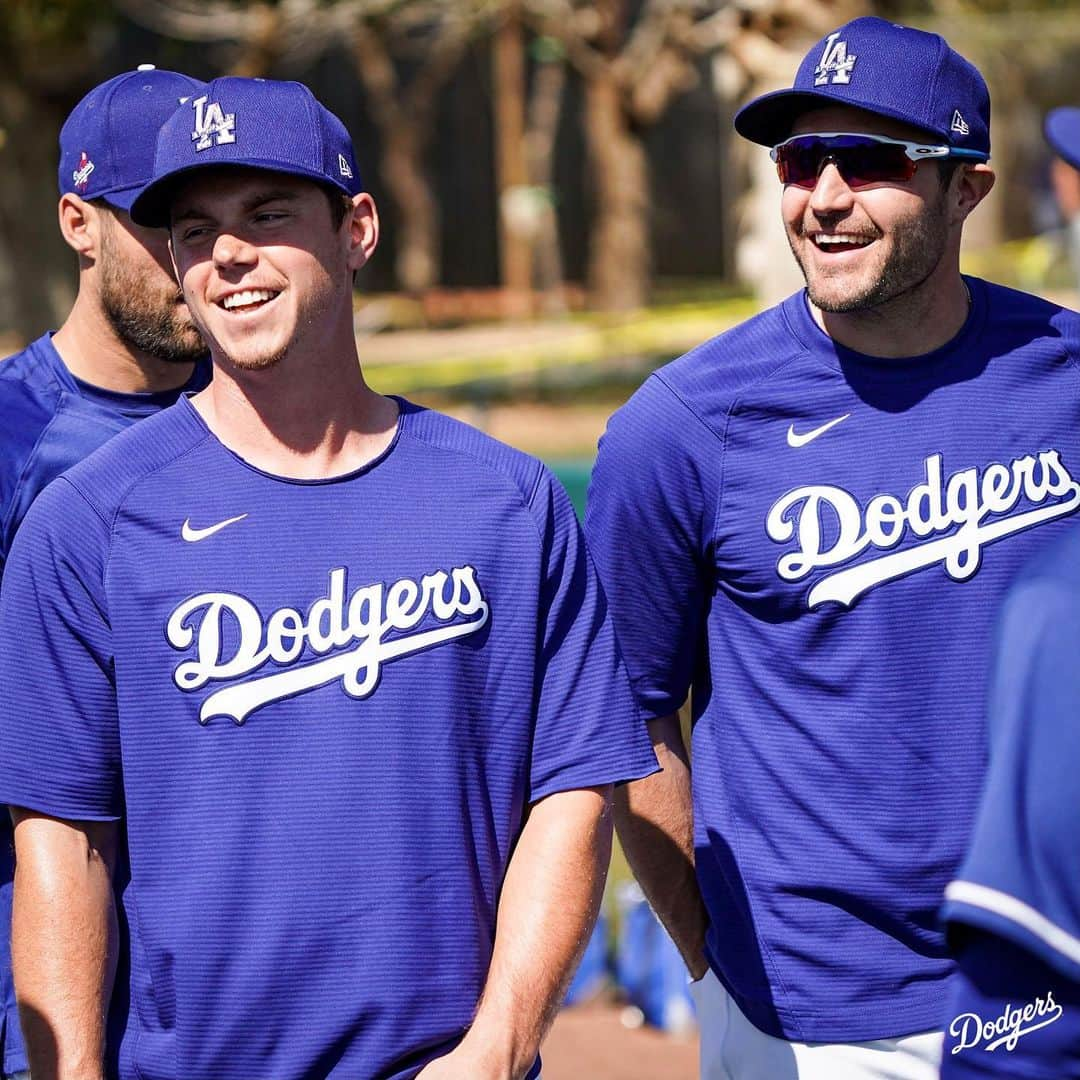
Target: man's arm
549 902
63 942
655 821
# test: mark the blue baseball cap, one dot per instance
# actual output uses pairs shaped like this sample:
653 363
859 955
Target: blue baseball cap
254 124
1062 129
107 143
896 71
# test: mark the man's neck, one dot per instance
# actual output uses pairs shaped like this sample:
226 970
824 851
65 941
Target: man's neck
914 324
305 422
92 352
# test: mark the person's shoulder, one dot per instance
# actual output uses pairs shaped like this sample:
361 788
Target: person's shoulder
709 380
1055 569
1019 319
29 389
29 399
33 366
472 447
112 471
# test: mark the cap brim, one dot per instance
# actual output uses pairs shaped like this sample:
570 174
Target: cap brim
768 120
122 198
152 205
1062 129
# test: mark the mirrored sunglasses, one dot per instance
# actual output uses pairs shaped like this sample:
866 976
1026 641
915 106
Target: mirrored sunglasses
860 159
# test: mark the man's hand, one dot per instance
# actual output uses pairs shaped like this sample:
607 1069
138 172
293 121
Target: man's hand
466 1061
547 909
655 821
63 942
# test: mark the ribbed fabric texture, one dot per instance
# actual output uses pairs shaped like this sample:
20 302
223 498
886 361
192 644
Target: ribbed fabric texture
764 513
48 421
322 723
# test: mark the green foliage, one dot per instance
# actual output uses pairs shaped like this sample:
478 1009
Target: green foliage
34 23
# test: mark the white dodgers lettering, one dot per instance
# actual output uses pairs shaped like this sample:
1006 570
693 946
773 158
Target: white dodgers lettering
947 515
970 1030
352 630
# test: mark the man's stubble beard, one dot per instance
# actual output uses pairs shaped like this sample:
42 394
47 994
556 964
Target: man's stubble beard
919 244
149 322
311 313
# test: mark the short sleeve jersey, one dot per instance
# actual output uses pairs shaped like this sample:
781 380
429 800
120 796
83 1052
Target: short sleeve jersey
1021 877
322 709
48 421
1019 887
815 542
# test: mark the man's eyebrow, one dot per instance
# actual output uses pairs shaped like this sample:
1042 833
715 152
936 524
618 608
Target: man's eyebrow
259 198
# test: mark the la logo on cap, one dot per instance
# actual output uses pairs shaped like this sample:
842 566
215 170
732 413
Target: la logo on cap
211 122
835 64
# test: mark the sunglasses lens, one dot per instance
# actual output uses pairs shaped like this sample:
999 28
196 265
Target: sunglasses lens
860 161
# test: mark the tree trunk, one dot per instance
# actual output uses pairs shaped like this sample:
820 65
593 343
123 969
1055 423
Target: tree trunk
416 261
43 280
545 108
511 169
619 240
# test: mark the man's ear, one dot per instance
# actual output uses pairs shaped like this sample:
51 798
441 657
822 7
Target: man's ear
363 230
972 184
80 225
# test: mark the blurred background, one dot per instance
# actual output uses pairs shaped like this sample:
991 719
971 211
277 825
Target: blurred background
565 207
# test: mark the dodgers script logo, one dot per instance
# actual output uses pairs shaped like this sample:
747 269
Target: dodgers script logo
969 1029
211 123
949 517
353 636
835 64
81 175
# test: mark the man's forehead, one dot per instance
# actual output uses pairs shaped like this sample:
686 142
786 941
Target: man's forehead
211 190
849 118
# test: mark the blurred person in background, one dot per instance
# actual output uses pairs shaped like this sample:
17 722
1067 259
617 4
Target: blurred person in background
809 521
127 349
340 665
1062 130
1014 909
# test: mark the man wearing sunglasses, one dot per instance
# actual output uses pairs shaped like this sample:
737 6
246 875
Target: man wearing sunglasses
809 522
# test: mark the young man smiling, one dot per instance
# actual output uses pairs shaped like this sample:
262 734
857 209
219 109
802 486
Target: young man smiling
809 521
340 664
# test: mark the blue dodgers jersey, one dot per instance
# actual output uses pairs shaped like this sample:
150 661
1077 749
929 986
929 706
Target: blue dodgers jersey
322 710
816 541
1010 1015
1021 878
48 421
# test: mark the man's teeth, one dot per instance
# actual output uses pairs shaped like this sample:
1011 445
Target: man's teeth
248 296
840 239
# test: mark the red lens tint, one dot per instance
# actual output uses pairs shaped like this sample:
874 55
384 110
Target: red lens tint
860 160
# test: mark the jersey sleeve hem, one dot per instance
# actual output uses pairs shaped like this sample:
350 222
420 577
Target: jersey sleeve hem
65 811
590 776
1007 916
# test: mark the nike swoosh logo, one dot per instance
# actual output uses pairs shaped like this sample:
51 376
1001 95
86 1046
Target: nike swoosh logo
795 440
193 536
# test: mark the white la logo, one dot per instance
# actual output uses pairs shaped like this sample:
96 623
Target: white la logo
834 62
210 121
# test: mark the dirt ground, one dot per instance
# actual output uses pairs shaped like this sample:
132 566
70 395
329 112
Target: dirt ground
589 1042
